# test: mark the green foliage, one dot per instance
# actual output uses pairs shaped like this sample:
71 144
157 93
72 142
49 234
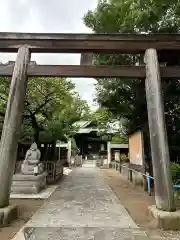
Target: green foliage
134 16
51 108
120 139
125 98
175 171
124 158
102 117
109 128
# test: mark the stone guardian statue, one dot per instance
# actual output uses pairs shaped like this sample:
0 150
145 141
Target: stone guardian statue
31 164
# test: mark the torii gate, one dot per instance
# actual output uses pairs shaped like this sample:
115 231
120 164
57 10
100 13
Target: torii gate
27 43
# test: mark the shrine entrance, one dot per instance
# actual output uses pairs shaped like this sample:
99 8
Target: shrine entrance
148 46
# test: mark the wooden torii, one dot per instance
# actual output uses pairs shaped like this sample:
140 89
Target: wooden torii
87 44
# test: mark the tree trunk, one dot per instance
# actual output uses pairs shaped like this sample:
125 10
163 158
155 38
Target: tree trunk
36 136
52 151
12 124
35 129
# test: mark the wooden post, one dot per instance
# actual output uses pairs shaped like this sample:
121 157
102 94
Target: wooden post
12 124
86 59
69 150
109 152
158 135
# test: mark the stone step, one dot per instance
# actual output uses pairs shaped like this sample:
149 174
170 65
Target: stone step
28 183
83 233
24 177
25 184
25 189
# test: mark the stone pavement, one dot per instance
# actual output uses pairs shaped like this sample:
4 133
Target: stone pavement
83 207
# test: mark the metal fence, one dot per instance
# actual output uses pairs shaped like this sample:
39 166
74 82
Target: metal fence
54 171
149 179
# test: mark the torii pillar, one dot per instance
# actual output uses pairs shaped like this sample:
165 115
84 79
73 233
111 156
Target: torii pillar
12 125
164 195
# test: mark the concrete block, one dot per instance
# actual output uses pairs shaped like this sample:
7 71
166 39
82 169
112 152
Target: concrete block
125 173
26 190
165 220
8 214
105 166
137 178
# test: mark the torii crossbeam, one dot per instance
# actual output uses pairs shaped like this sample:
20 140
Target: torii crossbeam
80 43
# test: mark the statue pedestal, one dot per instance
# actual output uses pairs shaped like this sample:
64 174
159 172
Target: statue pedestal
28 183
28 169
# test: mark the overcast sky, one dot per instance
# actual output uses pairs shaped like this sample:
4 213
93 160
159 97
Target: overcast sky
53 16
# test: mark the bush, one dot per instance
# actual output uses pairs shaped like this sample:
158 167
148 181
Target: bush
124 158
175 171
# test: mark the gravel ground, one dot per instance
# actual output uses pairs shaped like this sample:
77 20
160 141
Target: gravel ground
136 202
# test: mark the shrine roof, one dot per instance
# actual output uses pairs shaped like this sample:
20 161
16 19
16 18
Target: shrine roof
84 127
82 124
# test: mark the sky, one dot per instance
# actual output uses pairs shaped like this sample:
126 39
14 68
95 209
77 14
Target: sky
49 16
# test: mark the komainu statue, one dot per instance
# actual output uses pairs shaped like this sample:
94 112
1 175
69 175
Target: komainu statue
31 164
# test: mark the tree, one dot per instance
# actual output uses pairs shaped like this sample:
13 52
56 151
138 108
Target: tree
109 126
126 98
51 107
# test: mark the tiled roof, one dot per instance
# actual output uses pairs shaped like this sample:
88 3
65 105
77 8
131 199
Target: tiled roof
82 124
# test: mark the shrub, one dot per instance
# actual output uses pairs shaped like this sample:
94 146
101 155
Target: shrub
175 171
124 158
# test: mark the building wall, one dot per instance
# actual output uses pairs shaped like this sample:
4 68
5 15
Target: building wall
136 149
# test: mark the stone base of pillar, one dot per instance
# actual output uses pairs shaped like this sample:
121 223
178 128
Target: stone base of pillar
8 214
28 184
165 220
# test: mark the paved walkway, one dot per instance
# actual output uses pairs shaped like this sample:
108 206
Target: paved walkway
83 207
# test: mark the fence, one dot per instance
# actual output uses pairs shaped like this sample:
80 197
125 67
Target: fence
54 171
148 179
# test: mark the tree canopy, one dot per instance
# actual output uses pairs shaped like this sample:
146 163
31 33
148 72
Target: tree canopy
108 126
51 108
125 98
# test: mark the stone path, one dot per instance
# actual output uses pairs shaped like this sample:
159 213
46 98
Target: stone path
83 207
